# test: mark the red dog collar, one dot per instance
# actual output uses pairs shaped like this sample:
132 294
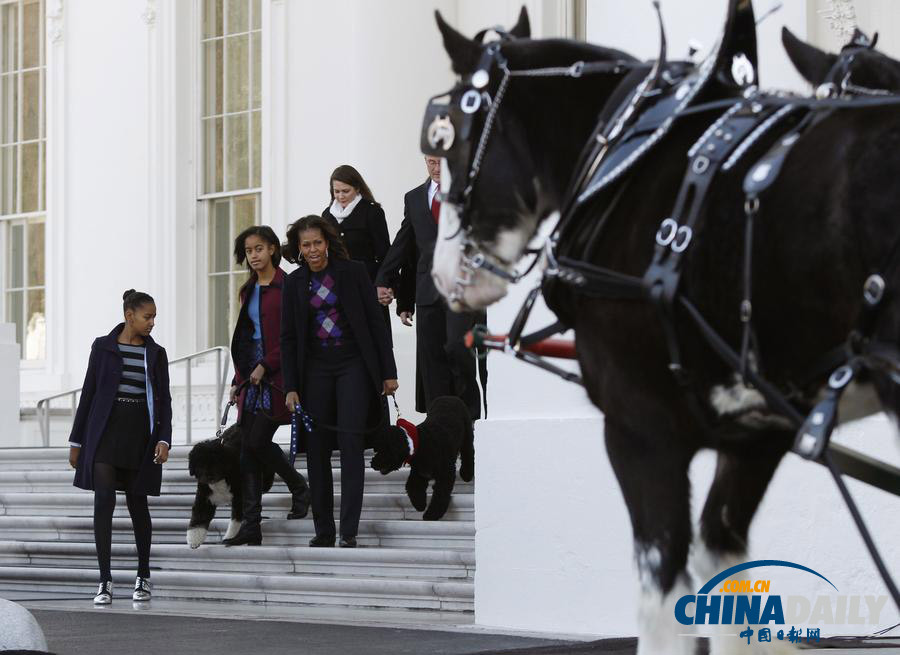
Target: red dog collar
412 433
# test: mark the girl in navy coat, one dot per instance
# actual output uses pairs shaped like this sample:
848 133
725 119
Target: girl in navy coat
337 360
122 433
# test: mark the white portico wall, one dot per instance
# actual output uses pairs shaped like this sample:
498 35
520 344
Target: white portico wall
553 543
9 386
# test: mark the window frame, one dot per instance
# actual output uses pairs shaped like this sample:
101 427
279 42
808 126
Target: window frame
206 200
40 214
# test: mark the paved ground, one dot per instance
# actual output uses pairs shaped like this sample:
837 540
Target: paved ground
74 633
74 627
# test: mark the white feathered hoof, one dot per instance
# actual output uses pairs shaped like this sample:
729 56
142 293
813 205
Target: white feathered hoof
196 536
21 631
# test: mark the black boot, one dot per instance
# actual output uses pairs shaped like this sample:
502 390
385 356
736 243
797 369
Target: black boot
250 533
296 483
300 495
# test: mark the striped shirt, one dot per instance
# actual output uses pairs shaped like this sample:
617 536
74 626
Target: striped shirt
133 383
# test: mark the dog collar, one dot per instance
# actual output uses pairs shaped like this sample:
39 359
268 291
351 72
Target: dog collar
412 437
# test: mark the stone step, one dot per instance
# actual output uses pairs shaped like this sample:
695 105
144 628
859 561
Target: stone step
179 481
252 587
51 459
81 503
459 535
392 563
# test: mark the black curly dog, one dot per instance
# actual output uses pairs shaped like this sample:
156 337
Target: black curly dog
216 464
444 434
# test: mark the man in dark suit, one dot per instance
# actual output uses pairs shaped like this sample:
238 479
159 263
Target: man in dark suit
445 366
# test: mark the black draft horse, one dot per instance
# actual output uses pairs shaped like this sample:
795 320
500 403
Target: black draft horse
821 230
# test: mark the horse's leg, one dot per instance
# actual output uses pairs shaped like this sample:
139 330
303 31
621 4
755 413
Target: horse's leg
653 476
738 487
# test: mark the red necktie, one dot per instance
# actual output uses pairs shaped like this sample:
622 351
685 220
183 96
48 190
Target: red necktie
436 207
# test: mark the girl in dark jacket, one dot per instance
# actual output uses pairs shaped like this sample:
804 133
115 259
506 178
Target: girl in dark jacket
256 352
122 433
337 360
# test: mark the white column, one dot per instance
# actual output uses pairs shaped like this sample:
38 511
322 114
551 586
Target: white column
9 386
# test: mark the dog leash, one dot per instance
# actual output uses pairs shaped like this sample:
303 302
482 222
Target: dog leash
301 417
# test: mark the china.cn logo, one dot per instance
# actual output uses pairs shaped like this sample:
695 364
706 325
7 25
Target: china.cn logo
725 609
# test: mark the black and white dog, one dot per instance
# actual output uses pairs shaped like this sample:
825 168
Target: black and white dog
216 463
431 449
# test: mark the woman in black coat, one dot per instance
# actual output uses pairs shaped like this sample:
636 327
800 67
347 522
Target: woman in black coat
357 218
122 433
336 359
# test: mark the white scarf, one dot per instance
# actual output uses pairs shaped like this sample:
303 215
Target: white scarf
340 213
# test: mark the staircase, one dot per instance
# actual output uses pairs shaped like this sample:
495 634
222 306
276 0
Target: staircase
46 544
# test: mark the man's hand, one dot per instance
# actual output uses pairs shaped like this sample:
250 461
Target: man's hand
257 375
390 387
74 452
291 400
161 456
406 318
385 295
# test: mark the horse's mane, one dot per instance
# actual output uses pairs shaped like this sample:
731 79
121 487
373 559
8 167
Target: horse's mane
536 53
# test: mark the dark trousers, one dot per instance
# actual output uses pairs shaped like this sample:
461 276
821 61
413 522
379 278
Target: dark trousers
337 391
446 366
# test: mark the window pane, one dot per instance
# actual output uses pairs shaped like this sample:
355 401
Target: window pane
35 262
234 306
43 181
30 177
9 97
9 37
256 20
15 312
214 162
16 256
31 88
35 326
237 156
257 68
219 312
212 18
213 72
31 34
220 239
237 16
244 217
8 172
257 150
237 70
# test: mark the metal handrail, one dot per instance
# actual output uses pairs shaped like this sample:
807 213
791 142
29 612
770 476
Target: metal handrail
43 405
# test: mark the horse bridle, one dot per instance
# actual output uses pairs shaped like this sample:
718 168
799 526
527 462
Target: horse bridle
449 127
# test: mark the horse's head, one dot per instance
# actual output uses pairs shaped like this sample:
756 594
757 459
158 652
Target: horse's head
858 69
509 133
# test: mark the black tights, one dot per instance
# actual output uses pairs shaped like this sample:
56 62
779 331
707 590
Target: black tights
106 477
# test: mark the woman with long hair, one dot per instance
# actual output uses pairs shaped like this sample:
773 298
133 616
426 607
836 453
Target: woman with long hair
256 387
337 360
357 218
122 433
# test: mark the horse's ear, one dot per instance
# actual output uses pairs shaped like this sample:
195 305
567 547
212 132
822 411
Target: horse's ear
464 53
813 64
522 28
